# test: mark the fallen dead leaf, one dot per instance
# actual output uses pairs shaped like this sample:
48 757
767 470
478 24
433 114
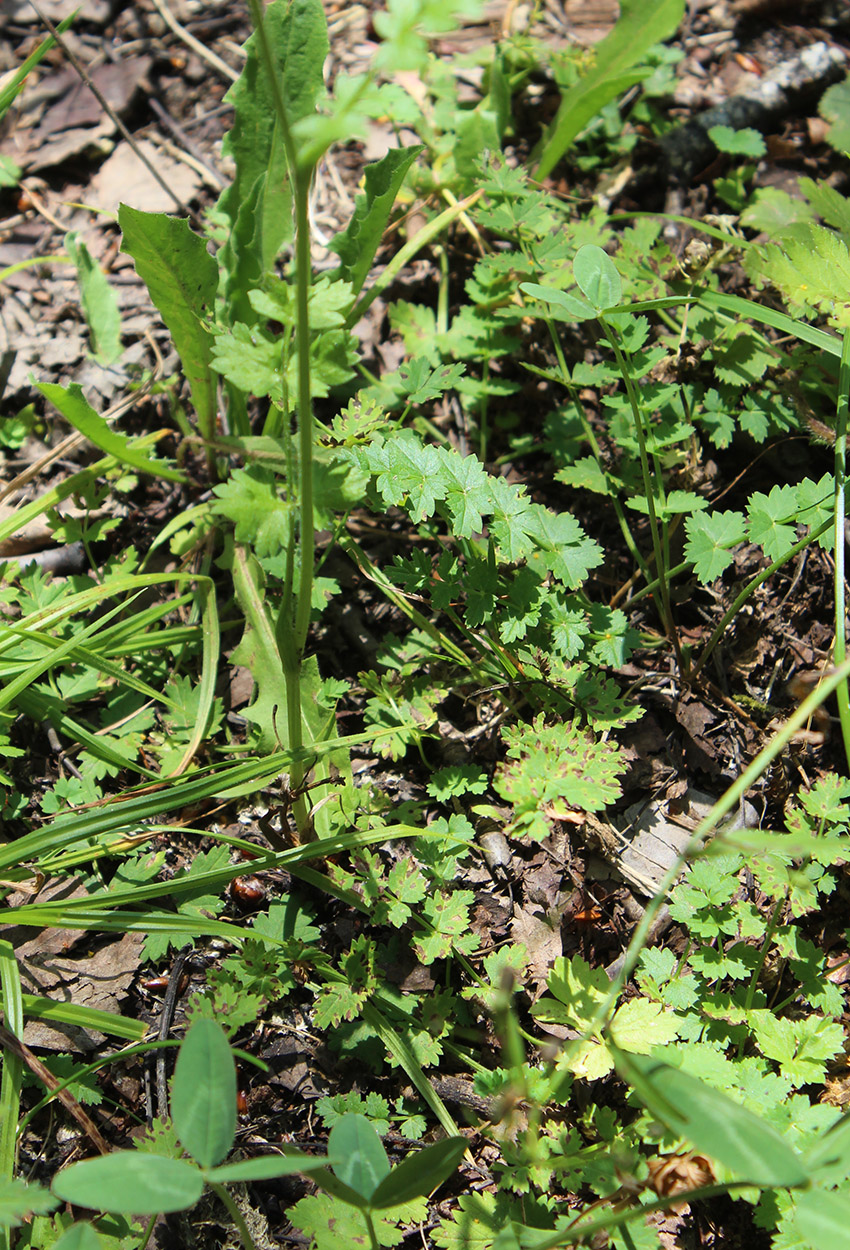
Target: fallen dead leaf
124 179
541 941
60 964
60 147
77 105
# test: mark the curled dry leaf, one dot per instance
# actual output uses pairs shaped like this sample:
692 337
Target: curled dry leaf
680 1174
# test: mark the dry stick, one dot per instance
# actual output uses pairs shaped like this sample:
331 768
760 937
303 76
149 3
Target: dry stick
40 206
86 77
182 33
191 148
169 1005
186 158
23 1052
7 359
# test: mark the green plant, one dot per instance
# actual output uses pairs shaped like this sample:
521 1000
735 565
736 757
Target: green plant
203 1103
618 66
834 107
732 188
500 605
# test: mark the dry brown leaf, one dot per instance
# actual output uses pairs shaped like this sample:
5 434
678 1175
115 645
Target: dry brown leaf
124 179
61 964
542 942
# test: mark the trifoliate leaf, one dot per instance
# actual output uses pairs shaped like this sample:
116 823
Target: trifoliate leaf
773 211
249 359
742 359
563 548
467 492
802 1047
448 916
586 474
675 503
640 1025
406 468
816 505
810 266
577 993
422 383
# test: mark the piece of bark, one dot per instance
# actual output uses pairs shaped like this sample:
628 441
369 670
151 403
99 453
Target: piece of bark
793 84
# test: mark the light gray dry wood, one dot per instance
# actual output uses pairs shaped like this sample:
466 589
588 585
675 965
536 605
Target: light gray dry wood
760 105
657 833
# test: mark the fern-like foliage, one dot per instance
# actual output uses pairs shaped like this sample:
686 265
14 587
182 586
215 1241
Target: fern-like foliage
426 480
551 768
809 263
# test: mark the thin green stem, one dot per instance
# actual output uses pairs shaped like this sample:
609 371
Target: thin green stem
840 651
235 1214
11 270
483 415
373 1236
673 573
748 590
683 959
587 429
405 254
305 408
618 1216
141 1048
652 489
394 595
13 1072
293 626
146 1235
725 804
765 947
443 292
285 639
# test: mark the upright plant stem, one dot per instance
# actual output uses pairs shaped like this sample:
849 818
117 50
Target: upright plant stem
650 490
374 1244
235 1214
751 586
432 230
292 627
305 408
587 428
707 825
12 1079
840 650
772 923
